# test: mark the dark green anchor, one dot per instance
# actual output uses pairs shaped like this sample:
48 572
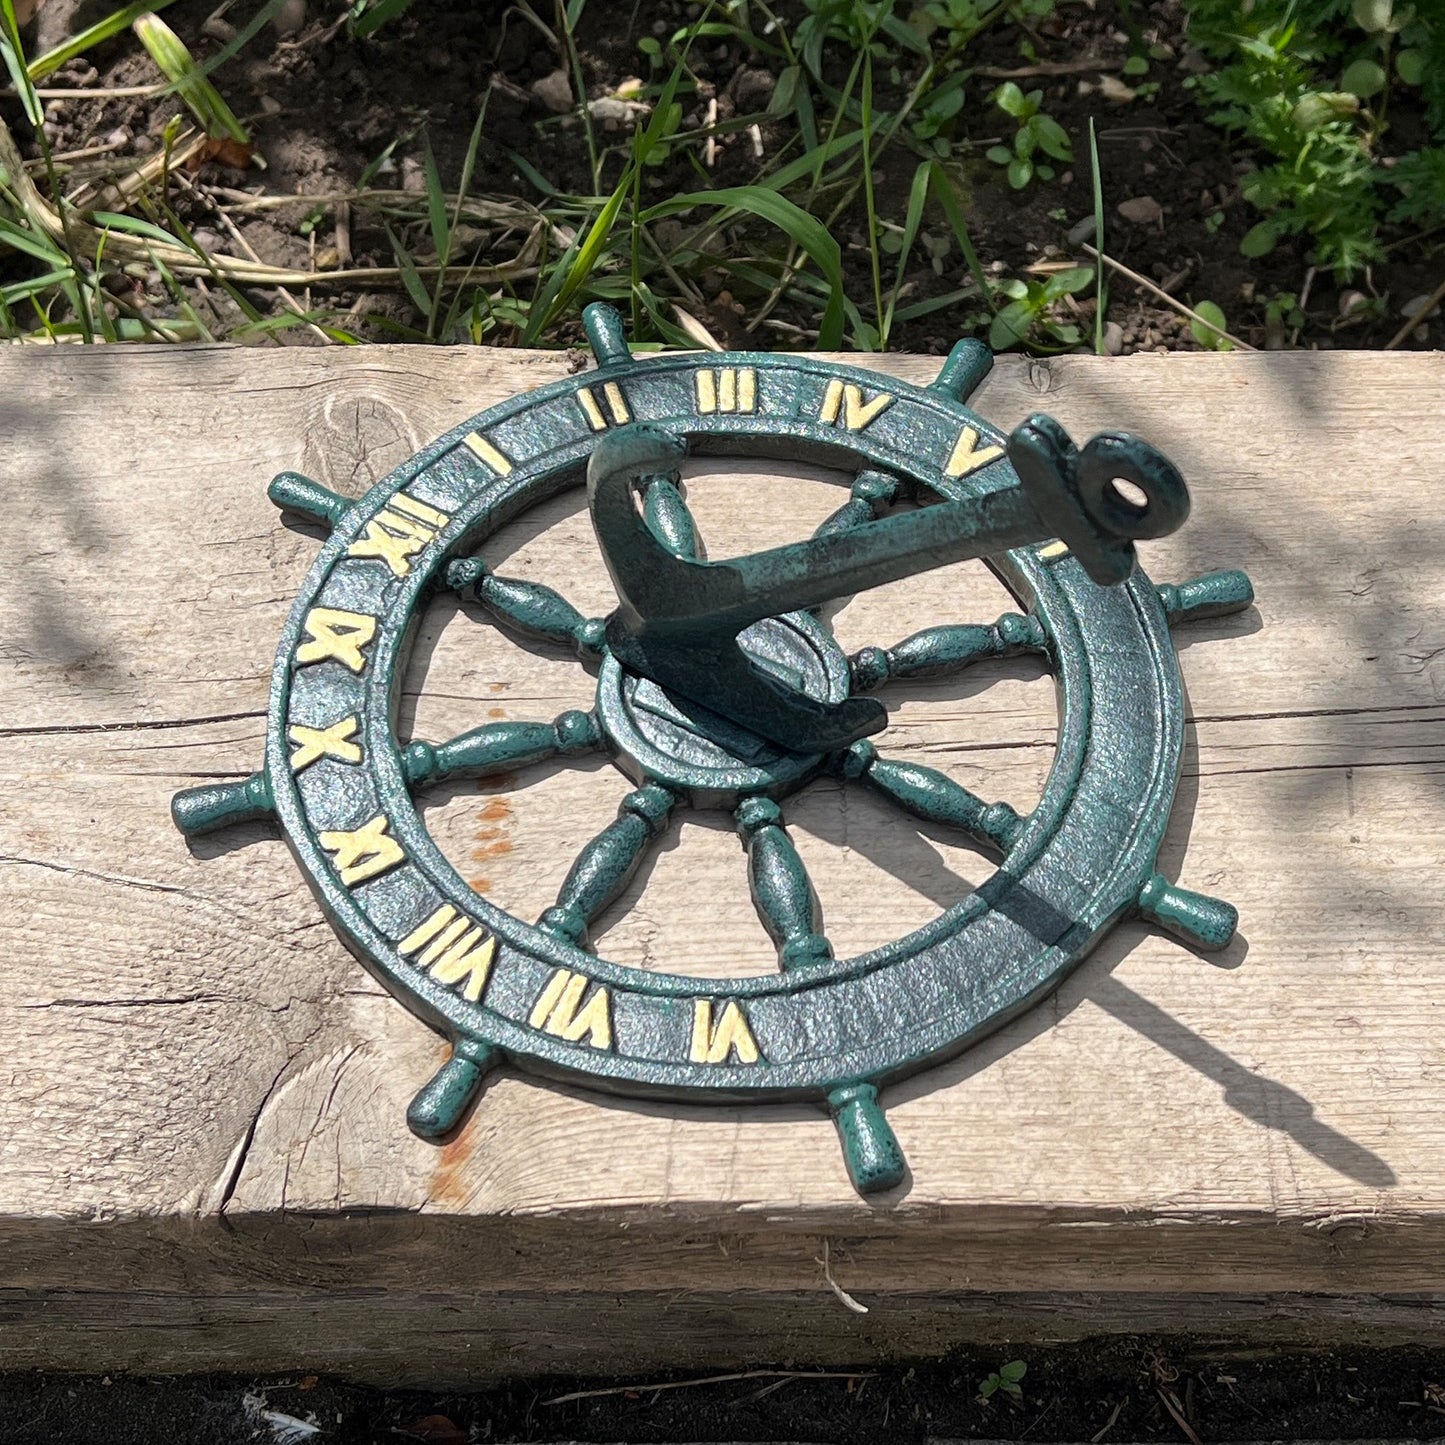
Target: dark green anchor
718 687
679 618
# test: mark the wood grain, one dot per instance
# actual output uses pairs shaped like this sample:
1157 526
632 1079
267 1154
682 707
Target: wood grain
203 1161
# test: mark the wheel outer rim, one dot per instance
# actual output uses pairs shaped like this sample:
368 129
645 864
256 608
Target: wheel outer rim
1077 866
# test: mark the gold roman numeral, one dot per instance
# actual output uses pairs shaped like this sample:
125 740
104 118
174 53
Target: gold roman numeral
454 948
485 451
330 742
364 852
726 389
844 401
337 636
560 1010
398 532
712 1044
616 406
967 456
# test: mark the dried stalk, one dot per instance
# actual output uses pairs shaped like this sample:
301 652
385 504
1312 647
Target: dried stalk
121 247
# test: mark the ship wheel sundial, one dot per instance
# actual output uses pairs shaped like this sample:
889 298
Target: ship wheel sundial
719 687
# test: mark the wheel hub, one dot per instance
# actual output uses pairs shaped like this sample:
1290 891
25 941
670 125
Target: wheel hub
657 736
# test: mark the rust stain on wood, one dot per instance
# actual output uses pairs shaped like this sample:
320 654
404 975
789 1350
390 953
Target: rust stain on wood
449 1182
493 836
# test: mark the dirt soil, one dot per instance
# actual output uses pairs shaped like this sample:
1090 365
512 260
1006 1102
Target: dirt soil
324 105
1103 1391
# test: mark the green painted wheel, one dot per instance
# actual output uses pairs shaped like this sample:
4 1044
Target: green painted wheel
340 782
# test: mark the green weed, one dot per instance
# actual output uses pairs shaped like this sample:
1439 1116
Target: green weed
1031 310
1038 135
1004 1380
1310 82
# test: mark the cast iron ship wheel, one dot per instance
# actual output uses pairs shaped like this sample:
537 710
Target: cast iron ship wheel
718 687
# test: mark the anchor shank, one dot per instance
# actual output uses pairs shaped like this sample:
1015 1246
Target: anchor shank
662 593
806 574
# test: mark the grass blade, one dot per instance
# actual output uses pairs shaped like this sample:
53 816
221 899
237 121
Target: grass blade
584 254
917 198
410 276
947 197
436 205
805 231
14 57
114 221
243 37
463 186
32 243
92 35
19 290
178 66
375 16
1101 295
870 207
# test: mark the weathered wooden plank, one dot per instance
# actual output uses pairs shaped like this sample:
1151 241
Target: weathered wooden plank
202 1111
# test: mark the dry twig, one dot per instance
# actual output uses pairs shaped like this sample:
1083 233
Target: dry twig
1418 319
1048 67
711 1380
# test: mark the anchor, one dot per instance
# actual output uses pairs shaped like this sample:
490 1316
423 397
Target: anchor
679 618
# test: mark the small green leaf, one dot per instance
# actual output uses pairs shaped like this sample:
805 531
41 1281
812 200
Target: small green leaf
947 104
1010 327
1013 1372
1010 99
1259 240
1020 173
1372 16
785 92
1072 281
1410 66
1000 155
1207 338
1363 78
1136 65
1052 137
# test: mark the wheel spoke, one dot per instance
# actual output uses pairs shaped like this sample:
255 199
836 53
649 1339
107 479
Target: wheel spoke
934 797
500 747
782 891
601 870
530 608
939 651
871 494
